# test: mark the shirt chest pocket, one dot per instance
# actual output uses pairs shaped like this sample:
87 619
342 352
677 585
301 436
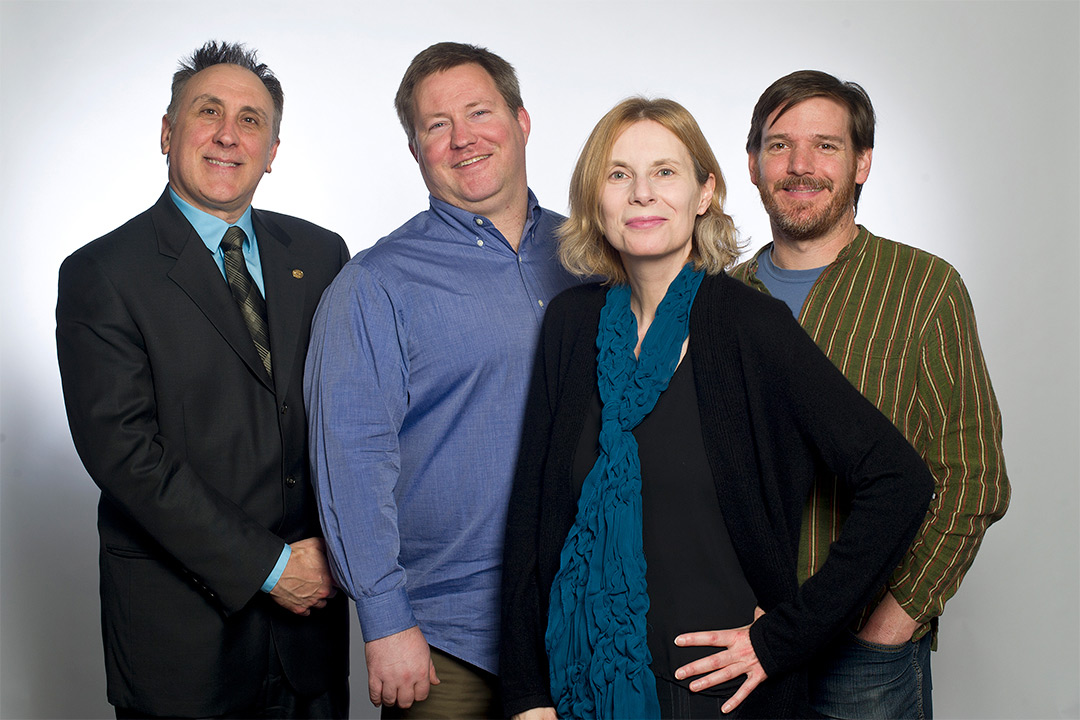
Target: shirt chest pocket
884 369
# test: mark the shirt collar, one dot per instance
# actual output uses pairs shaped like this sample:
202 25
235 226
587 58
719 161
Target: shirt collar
210 228
847 252
856 246
453 215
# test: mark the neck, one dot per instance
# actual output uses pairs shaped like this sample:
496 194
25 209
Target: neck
509 219
511 229
808 253
649 283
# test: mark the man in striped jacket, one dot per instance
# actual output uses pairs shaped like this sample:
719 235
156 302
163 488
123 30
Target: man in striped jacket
899 323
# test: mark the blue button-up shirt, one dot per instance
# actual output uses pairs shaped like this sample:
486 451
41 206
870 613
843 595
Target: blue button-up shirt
419 364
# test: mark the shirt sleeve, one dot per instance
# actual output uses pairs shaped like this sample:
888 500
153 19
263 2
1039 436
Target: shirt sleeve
279 567
355 388
961 444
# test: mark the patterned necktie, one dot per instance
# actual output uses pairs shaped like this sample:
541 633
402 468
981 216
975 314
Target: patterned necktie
246 293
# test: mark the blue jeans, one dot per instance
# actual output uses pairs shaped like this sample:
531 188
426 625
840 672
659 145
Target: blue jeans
857 680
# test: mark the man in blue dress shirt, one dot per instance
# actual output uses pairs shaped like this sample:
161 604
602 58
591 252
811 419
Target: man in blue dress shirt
416 379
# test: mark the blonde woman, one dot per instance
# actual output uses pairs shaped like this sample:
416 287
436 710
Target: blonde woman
675 422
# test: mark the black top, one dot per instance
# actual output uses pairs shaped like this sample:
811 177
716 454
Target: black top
774 413
694 578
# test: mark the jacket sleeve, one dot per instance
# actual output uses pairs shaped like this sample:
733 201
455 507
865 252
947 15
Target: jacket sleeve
112 411
810 407
531 527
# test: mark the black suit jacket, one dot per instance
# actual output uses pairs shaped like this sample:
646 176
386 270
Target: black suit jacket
201 461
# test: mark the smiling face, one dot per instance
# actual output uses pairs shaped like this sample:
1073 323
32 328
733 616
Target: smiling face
221 141
651 197
469 144
807 170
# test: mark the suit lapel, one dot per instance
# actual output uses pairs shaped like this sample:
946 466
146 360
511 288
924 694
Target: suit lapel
199 277
284 296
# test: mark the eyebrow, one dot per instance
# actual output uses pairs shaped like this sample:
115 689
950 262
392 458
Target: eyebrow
468 108
837 139
661 161
207 97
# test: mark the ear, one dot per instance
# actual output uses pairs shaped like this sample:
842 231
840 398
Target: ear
525 122
166 134
413 151
273 154
752 162
707 191
862 166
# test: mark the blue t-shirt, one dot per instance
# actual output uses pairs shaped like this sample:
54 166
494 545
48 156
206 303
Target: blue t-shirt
791 286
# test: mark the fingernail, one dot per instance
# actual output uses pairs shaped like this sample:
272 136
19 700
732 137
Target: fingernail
679 674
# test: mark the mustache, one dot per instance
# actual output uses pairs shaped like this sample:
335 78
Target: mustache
807 183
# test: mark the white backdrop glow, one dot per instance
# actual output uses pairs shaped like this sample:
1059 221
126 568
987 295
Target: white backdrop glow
976 160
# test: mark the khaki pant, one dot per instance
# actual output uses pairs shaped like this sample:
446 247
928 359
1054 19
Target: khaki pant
464 691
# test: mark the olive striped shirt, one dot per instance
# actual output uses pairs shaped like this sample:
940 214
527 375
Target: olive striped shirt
898 322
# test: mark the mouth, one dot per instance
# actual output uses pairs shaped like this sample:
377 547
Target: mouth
804 187
645 222
471 161
222 163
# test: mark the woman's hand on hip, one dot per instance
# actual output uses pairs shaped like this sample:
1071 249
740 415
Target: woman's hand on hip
737 658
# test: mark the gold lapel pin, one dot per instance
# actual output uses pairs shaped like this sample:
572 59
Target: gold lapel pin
298 273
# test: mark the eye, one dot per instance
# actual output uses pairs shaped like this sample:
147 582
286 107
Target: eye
778 146
209 111
617 175
665 172
436 126
480 113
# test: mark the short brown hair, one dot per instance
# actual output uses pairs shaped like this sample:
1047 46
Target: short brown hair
790 90
444 56
584 251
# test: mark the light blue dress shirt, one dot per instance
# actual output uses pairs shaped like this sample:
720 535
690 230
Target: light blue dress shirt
211 230
419 364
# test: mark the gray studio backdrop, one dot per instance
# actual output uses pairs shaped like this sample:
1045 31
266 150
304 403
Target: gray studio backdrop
976 160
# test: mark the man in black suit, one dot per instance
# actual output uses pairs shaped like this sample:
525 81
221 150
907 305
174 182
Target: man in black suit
181 343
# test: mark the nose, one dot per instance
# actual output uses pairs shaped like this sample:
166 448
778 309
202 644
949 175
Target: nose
461 135
226 132
641 191
801 161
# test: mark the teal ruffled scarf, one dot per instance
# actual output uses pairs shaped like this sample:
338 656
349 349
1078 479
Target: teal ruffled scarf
597 652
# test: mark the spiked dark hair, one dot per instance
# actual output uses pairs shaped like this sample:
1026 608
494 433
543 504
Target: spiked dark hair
223 53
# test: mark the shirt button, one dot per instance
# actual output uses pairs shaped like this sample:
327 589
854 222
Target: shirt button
290 481
284 408
480 243
479 221
541 303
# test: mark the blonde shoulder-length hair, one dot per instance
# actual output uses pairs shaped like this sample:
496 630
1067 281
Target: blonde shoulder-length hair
584 251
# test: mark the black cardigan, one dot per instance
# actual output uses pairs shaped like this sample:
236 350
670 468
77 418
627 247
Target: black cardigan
774 414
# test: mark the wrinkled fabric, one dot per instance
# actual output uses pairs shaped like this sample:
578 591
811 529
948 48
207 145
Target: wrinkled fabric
597 651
